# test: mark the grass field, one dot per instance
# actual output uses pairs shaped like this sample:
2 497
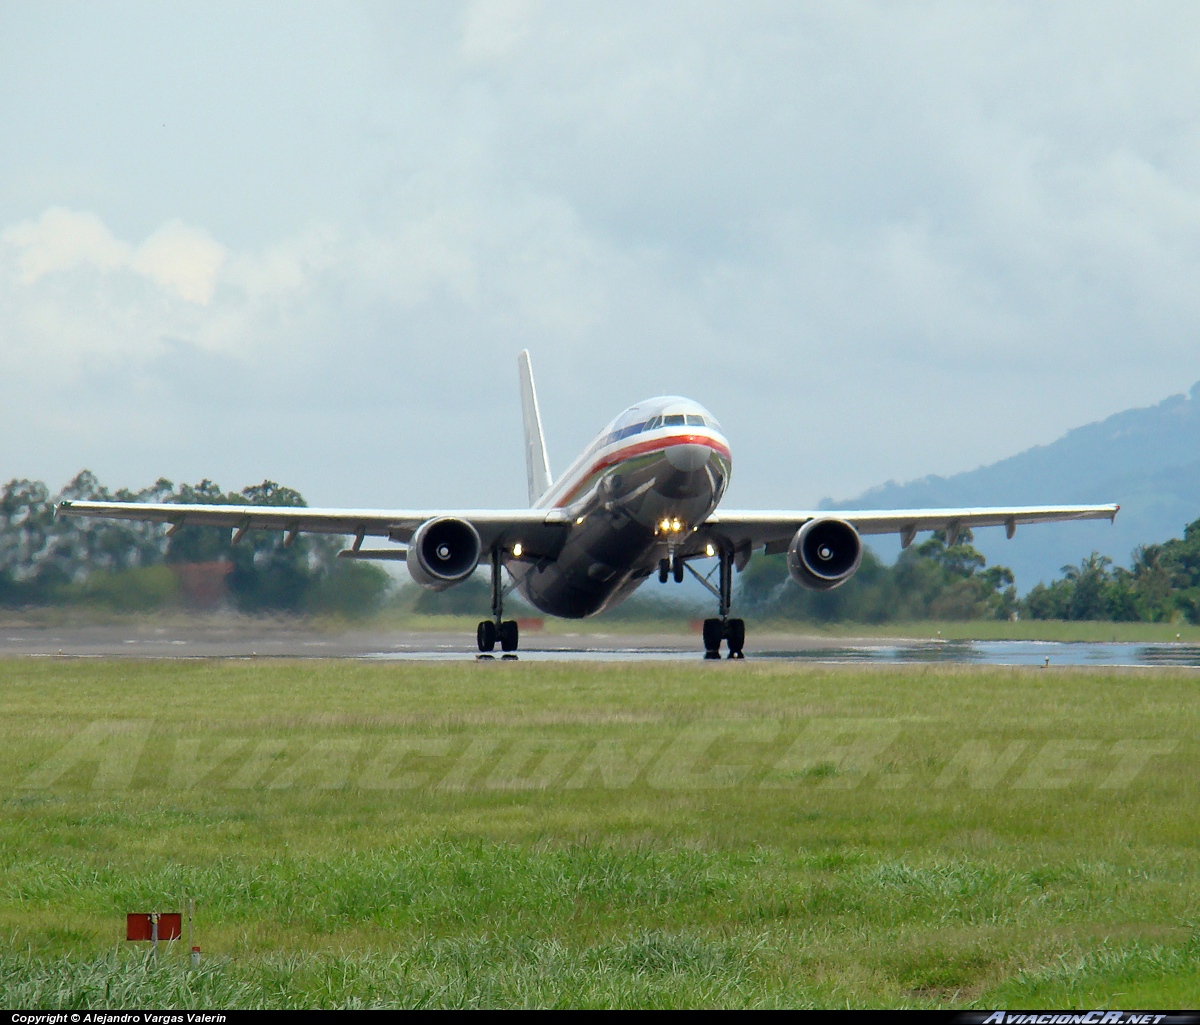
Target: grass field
593 835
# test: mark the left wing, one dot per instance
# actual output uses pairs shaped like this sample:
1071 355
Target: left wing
746 530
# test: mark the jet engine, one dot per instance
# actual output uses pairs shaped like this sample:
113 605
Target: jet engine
443 552
824 554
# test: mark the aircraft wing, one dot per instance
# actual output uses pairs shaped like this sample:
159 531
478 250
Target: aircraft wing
538 529
750 529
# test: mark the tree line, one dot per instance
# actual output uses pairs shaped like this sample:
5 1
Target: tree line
930 580
1162 583
127 566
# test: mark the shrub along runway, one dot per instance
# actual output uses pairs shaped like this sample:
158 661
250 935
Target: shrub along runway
660 834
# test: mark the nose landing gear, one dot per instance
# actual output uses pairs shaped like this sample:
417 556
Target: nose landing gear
497 628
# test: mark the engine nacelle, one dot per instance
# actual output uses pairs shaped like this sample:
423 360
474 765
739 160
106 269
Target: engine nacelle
443 552
824 554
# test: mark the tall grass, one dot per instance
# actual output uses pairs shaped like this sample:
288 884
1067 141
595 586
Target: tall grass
876 886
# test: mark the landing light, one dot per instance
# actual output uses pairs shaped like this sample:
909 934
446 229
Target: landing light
710 551
675 524
517 549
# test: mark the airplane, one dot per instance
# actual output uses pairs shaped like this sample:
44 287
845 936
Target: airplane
642 499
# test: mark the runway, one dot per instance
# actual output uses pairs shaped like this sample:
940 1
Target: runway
236 638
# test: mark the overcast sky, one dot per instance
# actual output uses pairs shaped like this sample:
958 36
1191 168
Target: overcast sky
306 242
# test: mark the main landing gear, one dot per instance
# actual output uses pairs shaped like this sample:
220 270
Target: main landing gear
731 631
497 628
721 628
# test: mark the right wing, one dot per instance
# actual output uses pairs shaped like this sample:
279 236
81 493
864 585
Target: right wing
539 530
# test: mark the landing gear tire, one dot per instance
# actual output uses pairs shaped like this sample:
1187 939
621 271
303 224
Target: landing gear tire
485 635
509 635
735 637
664 570
731 631
677 570
713 634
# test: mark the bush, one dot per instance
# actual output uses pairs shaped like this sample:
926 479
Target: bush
132 590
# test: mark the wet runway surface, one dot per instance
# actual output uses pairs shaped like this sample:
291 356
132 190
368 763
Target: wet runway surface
247 640
996 653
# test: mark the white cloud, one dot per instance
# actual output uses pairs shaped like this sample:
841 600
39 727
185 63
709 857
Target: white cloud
61 240
71 288
181 260
979 223
494 28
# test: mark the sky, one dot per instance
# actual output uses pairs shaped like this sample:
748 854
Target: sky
305 242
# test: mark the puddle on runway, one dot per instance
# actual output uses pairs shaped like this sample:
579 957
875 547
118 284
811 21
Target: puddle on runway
993 653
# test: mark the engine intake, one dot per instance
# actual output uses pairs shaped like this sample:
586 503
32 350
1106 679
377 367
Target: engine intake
824 554
443 552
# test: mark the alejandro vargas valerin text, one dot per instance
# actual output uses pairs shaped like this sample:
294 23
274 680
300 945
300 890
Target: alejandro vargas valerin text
103 1018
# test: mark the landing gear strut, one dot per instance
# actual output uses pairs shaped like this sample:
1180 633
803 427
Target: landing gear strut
497 628
731 631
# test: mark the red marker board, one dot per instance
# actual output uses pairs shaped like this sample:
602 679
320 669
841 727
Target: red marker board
138 927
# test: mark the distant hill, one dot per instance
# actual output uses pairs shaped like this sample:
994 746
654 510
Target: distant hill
1148 460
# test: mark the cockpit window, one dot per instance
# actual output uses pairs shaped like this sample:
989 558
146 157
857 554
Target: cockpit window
657 422
623 432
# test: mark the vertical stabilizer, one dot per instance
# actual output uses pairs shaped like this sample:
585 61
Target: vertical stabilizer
537 463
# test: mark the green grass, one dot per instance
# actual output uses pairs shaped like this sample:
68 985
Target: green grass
518 834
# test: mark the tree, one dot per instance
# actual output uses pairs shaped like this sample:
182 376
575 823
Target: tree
44 558
929 580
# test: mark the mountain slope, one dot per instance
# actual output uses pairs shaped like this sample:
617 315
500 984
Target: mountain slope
1147 459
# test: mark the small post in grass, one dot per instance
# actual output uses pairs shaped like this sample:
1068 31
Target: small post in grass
194 950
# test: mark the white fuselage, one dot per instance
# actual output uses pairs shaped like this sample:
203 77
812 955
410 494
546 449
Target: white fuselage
634 496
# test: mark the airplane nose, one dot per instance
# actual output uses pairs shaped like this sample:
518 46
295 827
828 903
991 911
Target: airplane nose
688 458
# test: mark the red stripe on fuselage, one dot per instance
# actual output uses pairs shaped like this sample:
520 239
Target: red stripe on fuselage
641 448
